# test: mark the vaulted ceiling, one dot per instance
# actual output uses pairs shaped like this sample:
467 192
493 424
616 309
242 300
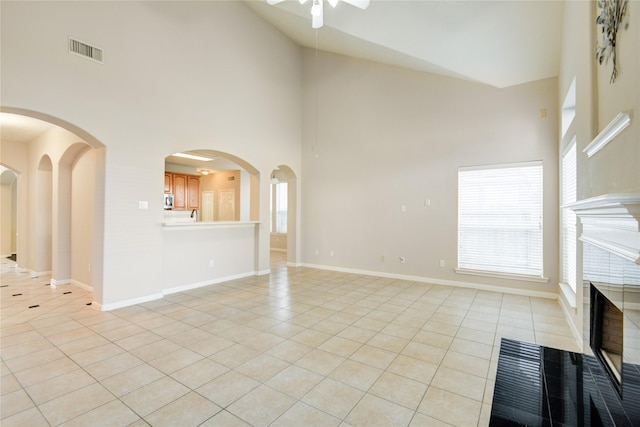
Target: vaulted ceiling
499 43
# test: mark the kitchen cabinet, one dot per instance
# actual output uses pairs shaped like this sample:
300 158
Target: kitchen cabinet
193 192
186 190
179 192
168 182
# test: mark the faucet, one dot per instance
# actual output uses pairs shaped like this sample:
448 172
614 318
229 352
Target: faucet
194 214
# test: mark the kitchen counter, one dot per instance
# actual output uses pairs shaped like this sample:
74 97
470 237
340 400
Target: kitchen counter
183 224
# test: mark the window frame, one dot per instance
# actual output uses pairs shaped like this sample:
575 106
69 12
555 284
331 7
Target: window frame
564 210
471 266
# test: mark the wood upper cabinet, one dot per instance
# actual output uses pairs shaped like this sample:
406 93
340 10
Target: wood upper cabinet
168 182
179 191
185 188
193 192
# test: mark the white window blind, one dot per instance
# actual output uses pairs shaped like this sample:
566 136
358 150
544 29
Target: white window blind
281 207
569 194
500 219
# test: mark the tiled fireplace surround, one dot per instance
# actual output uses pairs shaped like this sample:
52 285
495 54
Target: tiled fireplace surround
611 266
547 387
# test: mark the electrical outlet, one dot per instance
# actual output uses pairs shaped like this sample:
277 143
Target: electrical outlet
442 264
211 263
331 253
403 208
317 251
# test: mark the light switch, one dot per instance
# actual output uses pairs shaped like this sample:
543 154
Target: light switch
143 204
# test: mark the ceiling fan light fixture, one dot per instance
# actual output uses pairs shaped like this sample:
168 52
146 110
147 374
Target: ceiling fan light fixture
317 5
316 9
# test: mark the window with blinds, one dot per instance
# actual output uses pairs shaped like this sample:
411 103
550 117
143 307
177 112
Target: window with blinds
500 219
279 205
569 194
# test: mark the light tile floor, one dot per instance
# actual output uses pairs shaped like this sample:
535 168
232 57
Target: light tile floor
300 347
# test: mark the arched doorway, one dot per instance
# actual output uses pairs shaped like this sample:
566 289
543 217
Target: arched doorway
284 221
8 213
51 199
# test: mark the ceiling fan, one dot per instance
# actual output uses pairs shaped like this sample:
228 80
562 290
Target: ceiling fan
317 8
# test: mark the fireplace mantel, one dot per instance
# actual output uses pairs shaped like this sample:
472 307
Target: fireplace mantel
611 222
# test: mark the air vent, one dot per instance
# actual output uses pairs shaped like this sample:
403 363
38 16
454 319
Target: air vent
87 51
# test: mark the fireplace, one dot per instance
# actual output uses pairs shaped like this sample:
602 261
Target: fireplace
611 310
606 335
600 386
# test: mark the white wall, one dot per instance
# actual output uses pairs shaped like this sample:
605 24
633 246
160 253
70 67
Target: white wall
389 137
15 156
82 216
616 168
176 75
8 206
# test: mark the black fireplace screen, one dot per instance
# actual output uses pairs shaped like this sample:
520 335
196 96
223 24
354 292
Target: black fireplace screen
607 335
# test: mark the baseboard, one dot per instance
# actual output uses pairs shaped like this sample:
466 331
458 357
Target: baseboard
60 282
569 312
206 283
191 286
35 274
277 250
421 279
82 285
127 303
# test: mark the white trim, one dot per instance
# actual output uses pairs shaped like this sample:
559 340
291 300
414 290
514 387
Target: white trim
617 125
420 279
531 163
169 225
569 295
611 222
277 250
153 297
35 274
60 282
569 314
293 264
127 303
509 276
206 283
82 285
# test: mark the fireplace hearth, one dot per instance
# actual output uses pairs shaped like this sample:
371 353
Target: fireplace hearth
600 386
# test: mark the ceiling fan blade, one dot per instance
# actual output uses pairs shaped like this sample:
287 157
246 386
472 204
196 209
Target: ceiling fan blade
362 4
274 1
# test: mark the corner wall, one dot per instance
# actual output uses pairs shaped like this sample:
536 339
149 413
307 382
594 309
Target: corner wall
388 137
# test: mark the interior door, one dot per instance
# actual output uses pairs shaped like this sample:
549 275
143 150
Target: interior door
227 205
207 206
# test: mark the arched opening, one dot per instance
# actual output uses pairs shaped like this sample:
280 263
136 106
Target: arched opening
210 186
283 221
60 200
8 213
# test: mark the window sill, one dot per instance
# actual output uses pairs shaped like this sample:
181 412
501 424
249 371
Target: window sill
521 277
569 295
